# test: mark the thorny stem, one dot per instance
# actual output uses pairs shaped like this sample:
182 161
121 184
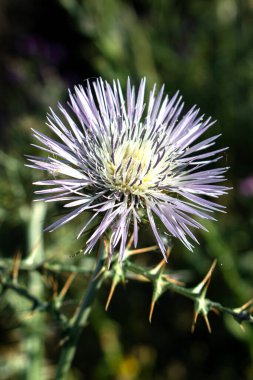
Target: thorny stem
79 320
239 314
172 286
129 270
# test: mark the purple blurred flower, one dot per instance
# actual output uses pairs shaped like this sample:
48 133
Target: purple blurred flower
126 164
246 186
38 47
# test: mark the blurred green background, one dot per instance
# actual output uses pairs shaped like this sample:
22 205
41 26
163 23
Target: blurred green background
204 49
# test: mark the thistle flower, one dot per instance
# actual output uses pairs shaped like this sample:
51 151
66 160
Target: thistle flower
124 160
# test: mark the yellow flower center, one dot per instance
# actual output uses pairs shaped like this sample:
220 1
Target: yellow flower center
131 169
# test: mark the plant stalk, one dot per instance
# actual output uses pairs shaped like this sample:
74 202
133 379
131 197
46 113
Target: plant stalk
79 320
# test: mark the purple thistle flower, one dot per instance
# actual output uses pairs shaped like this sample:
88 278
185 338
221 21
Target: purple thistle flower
122 163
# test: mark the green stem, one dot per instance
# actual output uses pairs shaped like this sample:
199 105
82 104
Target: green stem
6 265
23 292
239 314
35 337
79 321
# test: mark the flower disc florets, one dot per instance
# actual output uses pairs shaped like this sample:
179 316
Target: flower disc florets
120 158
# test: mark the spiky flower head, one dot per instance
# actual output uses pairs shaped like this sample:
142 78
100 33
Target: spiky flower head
124 160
